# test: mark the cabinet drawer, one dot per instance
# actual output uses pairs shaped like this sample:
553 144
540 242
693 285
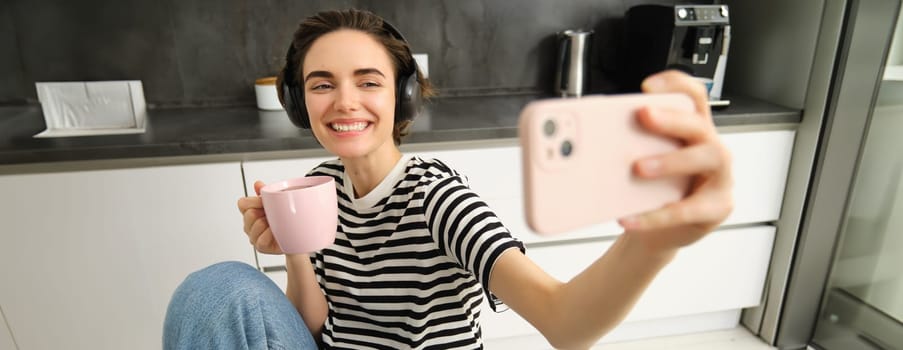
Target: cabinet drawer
761 161
724 271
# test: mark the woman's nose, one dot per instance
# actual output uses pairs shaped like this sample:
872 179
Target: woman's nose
347 99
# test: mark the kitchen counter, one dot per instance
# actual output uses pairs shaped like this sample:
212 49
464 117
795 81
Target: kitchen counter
239 131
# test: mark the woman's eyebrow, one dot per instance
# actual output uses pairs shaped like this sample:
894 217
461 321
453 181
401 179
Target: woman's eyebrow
365 71
327 74
318 74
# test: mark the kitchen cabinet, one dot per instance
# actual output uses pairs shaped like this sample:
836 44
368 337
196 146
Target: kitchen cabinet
705 288
761 161
90 258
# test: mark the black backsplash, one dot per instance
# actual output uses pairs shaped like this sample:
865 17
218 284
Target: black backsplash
204 53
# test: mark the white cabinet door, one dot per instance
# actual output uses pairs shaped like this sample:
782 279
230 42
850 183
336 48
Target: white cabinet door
761 161
90 259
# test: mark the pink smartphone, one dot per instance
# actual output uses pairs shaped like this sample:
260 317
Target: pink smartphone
577 160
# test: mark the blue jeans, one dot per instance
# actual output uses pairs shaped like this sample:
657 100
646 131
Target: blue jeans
232 305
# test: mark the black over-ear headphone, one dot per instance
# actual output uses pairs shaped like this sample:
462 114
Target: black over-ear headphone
407 91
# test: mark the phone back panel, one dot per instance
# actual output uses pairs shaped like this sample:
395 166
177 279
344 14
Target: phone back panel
578 156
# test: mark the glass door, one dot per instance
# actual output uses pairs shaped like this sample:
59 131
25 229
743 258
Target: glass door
862 304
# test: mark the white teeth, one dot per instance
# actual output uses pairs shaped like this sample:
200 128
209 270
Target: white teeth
358 126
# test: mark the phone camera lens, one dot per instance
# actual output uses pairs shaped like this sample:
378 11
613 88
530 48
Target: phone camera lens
566 148
549 127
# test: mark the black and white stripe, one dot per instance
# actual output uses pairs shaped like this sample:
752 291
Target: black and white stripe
411 270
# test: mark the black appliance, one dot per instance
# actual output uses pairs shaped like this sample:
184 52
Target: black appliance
691 38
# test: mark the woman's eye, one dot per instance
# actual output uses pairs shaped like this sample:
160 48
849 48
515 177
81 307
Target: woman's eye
320 87
369 84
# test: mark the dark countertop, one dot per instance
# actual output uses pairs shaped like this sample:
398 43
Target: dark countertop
243 130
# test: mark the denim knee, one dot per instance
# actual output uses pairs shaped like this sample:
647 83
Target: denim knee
227 280
232 303
234 271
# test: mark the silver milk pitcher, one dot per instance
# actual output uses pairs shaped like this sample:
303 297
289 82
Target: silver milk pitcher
572 74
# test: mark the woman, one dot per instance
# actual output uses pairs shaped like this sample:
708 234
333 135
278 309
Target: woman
417 251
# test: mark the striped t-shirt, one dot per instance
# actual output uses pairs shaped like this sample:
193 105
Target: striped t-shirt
411 260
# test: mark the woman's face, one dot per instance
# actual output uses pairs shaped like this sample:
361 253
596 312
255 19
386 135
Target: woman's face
349 93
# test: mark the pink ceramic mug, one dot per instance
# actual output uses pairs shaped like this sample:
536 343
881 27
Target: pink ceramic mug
302 213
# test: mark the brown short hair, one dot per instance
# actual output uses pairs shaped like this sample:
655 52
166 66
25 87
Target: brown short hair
326 22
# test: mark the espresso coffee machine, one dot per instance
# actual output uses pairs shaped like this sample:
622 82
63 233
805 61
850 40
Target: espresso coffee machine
691 38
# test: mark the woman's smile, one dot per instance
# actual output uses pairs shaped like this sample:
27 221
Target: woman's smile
349 128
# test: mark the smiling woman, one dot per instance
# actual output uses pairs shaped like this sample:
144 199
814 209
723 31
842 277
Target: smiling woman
416 250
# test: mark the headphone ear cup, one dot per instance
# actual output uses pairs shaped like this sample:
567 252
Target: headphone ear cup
294 106
409 99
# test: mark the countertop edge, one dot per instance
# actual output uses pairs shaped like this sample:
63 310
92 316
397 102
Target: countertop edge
498 138
271 137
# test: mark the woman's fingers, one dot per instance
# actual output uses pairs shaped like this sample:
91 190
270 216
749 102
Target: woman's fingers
707 208
255 222
261 237
257 186
251 208
693 160
251 216
676 124
677 81
703 153
266 243
245 203
257 228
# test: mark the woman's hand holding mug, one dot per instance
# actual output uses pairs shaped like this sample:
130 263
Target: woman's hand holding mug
256 226
301 218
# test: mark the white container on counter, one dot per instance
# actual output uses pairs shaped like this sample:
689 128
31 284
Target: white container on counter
267 100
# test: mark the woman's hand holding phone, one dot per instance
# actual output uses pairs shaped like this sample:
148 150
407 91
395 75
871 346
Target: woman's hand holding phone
703 157
654 160
256 226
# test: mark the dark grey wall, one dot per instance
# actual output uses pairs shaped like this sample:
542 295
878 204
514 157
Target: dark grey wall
193 52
